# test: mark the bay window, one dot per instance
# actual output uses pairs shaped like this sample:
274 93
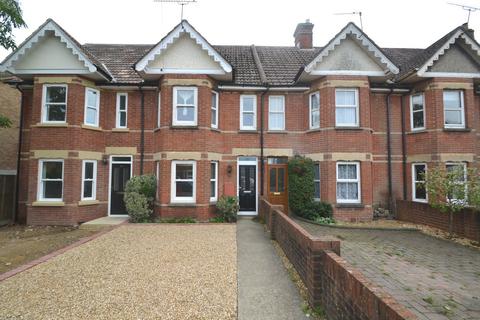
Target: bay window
314 110
346 108
348 182
54 103
419 190
417 112
92 107
213 180
89 179
50 180
214 110
183 181
185 106
453 109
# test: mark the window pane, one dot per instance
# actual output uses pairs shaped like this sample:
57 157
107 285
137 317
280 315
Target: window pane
346 115
418 119
248 119
56 94
214 116
92 98
275 121
248 103
123 102
281 179
315 101
91 116
342 190
315 118
453 117
345 98
417 102
273 180
52 189
88 170
184 189
459 171
276 104
212 189
352 192
317 190
123 119
317 172
347 171
52 170
419 172
420 192
184 171
87 189
213 172
185 97
185 113
56 112
214 100
451 99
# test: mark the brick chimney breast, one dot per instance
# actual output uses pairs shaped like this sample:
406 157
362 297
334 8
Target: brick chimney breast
303 35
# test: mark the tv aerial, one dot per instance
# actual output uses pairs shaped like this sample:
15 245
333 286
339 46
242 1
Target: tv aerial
466 8
359 13
180 2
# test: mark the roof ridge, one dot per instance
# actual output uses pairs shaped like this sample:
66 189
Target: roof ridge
258 64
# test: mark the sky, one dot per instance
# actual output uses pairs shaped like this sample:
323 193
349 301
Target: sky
401 23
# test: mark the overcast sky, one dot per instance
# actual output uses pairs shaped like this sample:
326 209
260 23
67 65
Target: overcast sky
403 23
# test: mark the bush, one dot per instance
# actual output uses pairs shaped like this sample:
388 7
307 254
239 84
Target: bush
301 190
139 198
227 208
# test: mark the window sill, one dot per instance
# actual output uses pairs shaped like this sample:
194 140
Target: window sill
46 203
417 131
184 126
51 125
213 202
120 130
277 131
182 204
349 205
457 129
314 130
247 131
420 201
87 202
156 129
354 128
215 130
90 127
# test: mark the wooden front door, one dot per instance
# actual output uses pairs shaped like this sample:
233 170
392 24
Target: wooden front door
277 185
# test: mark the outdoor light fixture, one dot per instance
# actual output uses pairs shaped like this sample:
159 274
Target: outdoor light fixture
105 159
229 169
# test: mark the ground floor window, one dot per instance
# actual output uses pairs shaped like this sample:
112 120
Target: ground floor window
459 170
317 181
419 191
213 180
50 186
348 182
183 181
89 180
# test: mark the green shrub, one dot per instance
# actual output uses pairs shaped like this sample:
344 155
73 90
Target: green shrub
178 220
324 220
301 190
139 198
227 208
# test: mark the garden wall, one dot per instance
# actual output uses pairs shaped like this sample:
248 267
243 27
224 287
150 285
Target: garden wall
343 291
465 223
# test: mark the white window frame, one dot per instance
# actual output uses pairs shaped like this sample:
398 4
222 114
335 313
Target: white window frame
243 127
44 114
462 111
412 112
93 179
464 166
317 164
214 198
356 106
215 107
97 108
173 196
414 182
270 112
357 180
310 111
175 105
157 172
119 95
40 188
159 109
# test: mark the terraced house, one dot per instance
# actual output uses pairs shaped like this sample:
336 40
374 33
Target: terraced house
210 120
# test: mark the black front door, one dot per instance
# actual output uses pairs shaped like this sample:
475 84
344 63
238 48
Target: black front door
120 176
247 188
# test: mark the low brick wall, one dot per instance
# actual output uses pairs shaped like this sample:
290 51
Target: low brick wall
465 223
330 280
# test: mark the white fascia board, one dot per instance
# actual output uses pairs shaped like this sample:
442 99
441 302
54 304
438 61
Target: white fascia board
348 73
371 47
49 26
448 75
184 26
181 71
422 71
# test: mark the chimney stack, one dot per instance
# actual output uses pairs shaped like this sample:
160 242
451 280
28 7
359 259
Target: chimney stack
303 35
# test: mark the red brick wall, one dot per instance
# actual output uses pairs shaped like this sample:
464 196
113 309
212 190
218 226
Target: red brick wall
465 223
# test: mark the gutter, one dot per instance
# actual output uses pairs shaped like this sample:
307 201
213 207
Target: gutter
142 126
19 154
261 88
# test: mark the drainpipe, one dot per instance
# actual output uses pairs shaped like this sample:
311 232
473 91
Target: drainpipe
404 147
389 153
142 128
262 164
19 151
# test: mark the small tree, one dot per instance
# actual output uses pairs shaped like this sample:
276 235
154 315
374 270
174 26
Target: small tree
473 188
447 191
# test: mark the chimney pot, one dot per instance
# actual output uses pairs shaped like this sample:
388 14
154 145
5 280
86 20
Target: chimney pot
303 35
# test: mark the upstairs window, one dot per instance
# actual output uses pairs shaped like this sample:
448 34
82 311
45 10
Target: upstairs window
314 113
54 103
92 107
417 112
276 113
185 106
248 112
453 109
183 181
122 101
50 180
346 108
89 180
348 182
419 191
159 108
214 109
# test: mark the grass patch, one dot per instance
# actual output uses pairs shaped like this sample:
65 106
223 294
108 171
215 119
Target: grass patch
177 220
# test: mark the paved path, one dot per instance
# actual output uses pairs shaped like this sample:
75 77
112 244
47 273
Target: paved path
434 278
134 272
265 290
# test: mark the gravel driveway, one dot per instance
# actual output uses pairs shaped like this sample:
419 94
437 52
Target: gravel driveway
133 272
